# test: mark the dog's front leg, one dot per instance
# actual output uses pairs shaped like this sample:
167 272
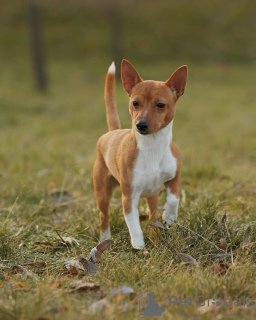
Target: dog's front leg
131 214
172 200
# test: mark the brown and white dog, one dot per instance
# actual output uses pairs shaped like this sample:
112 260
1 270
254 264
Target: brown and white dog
141 159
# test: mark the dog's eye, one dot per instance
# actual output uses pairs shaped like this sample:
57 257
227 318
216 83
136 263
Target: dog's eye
136 104
160 105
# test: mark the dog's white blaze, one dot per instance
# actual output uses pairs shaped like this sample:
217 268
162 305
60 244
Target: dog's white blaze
112 68
171 208
144 114
155 163
106 235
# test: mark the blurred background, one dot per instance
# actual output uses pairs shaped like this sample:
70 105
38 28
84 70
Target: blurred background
53 60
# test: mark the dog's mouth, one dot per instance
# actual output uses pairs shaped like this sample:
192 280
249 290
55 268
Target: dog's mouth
144 133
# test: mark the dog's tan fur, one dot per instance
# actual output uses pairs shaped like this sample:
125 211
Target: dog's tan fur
117 150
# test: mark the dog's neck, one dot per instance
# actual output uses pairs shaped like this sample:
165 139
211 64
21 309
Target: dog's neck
155 143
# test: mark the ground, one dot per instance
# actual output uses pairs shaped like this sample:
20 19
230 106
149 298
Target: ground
47 143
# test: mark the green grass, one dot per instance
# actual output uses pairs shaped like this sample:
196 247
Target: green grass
51 138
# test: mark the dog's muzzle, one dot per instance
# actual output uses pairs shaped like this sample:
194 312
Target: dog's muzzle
142 126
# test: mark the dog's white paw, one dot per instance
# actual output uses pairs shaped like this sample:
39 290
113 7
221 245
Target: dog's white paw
170 214
169 219
137 241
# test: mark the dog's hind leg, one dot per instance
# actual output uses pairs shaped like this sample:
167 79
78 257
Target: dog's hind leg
153 207
104 185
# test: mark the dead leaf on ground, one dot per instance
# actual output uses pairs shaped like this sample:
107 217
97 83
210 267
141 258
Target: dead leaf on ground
221 268
188 259
73 265
83 286
70 241
121 290
88 265
223 244
96 252
219 256
17 269
13 284
110 302
158 224
99 305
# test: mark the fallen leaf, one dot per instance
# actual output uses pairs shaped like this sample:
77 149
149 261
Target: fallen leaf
97 251
70 241
219 256
81 286
122 290
17 269
108 303
223 244
13 284
99 305
220 269
188 259
75 265
88 265
158 224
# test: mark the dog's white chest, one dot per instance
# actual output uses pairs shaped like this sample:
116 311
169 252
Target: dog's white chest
155 163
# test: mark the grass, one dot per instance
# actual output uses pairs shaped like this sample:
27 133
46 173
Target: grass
49 140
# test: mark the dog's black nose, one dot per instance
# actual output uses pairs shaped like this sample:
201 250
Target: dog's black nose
142 126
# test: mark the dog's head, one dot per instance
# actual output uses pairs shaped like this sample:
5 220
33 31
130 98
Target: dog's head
152 103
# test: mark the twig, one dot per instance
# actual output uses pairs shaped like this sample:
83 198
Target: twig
60 237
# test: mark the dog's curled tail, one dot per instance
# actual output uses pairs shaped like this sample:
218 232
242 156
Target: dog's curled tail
110 99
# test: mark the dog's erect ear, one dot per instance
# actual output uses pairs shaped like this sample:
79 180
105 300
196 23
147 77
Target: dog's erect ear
177 81
130 76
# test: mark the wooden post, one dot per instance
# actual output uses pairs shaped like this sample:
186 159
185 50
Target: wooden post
36 46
